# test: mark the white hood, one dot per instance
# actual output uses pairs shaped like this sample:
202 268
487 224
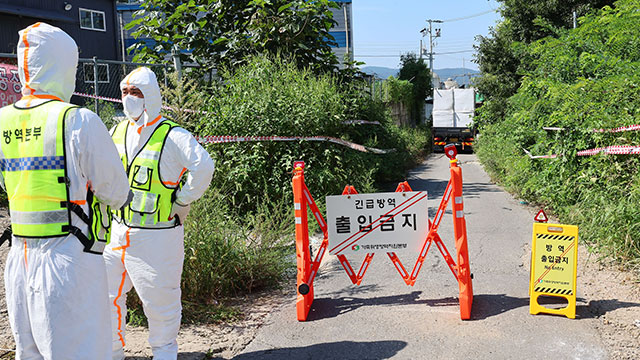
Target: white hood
145 80
47 61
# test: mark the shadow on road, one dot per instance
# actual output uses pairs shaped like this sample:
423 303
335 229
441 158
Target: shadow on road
334 350
324 308
488 305
484 305
597 308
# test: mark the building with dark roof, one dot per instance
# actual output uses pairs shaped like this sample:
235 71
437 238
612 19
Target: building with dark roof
92 24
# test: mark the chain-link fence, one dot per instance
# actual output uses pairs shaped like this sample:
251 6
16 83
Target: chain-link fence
97 81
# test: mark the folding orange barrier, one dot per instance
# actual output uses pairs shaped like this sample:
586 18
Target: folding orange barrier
308 268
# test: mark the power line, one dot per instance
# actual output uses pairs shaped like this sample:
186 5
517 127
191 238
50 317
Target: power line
454 52
398 55
470 16
374 56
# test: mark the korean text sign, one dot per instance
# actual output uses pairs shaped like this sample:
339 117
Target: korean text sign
383 222
9 85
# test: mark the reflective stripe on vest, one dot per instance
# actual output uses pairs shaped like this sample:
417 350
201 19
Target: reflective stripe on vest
152 199
33 168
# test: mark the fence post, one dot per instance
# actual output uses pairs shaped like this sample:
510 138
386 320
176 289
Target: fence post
95 82
176 63
166 73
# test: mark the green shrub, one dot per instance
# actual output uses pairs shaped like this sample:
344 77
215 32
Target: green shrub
271 96
588 78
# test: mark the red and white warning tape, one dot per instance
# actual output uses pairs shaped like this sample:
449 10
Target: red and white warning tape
614 130
229 139
360 122
615 150
120 101
619 129
97 97
609 150
539 156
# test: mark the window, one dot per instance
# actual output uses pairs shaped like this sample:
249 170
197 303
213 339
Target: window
103 73
92 20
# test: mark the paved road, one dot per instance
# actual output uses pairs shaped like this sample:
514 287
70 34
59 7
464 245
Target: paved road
383 318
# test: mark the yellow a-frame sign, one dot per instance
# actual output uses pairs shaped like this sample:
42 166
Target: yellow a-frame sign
554 266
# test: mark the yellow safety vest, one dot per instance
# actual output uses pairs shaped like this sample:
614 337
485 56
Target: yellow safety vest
35 177
152 199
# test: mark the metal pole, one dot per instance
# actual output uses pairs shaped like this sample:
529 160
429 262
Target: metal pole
176 63
95 82
430 21
430 47
575 19
346 25
124 54
166 73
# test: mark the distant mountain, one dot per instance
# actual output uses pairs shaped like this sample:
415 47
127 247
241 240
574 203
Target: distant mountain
461 75
380 72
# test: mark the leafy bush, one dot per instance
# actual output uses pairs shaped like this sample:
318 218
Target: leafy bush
588 78
271 96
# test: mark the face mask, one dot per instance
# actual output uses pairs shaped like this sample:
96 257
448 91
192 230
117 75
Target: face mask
133 106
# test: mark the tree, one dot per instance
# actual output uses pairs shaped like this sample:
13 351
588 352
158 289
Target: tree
225 32
417 72
502 56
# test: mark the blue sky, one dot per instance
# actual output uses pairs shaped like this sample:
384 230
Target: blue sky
386 28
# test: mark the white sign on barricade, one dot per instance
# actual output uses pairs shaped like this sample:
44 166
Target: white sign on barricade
382 222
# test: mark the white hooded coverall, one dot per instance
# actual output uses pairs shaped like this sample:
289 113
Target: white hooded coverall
57 296
151 259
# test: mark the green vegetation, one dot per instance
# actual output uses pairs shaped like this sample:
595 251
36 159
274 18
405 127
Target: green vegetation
394 90
271 96
501 56
580 79
417 72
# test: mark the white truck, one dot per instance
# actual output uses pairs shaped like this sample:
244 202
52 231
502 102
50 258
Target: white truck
452 114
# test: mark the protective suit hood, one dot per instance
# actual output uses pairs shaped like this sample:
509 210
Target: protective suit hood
145 80
47 61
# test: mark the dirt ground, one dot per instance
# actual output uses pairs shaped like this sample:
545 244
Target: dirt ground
606 293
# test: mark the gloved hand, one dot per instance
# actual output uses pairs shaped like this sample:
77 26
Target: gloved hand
179 211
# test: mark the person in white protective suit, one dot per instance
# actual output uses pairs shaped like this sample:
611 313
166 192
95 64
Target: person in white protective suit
168 170
56 159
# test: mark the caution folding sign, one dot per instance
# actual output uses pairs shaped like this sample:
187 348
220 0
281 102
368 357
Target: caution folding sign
554 266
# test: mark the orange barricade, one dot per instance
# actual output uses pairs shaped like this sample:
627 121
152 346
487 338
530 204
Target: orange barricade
308 268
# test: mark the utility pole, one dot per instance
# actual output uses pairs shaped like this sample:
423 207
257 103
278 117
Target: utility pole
431 37
424 33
